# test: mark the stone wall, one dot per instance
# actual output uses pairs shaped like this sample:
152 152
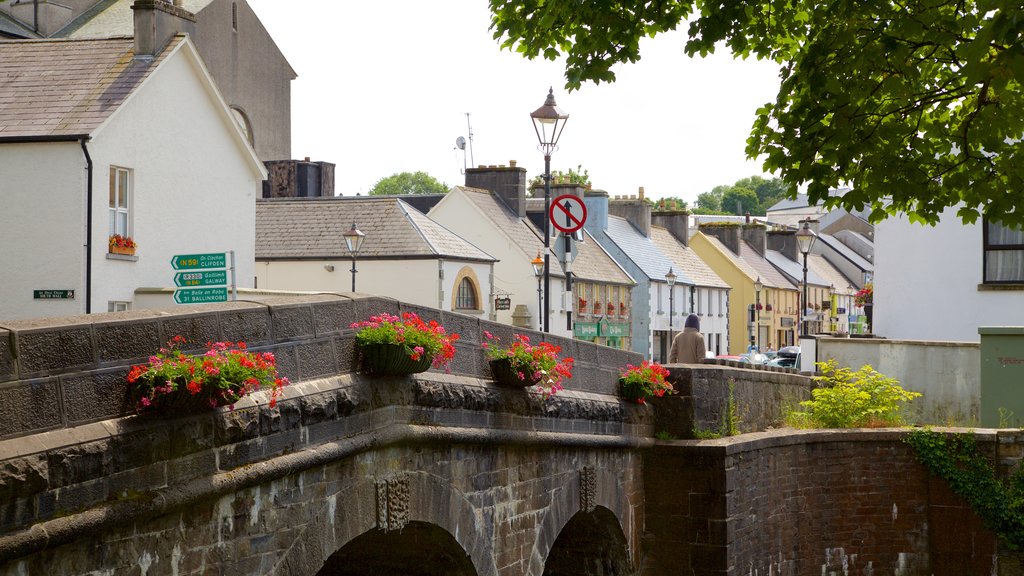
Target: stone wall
807 503
948 374
703 394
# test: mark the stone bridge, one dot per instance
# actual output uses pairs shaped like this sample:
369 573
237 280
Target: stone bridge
444 472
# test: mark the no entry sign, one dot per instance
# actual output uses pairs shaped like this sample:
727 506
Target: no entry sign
568 213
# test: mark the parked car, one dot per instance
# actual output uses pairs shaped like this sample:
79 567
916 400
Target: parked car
787 357
754 358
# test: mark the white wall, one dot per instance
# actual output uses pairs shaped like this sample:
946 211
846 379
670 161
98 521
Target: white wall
194 186
42 228
948 374
927 279
713 320
412 281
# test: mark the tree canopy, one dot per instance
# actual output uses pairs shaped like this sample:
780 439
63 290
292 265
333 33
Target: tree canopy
915 104
408 183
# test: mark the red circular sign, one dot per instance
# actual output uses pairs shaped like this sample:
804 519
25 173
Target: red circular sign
567 213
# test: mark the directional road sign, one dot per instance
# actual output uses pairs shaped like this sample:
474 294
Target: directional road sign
201 295
203 278
199 261
568 213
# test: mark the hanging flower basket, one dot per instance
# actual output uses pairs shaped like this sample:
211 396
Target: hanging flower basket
391 359
507 374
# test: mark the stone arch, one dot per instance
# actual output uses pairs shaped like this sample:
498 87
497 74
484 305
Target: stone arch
467 273
606 488
353 511
418 549
590 543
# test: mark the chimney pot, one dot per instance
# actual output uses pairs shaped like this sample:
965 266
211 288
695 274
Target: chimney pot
511 163
641 192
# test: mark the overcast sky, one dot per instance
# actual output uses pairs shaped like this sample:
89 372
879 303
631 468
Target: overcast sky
384 87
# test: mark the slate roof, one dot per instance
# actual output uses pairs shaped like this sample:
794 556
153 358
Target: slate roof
763 267
734 258
592 263
312 228
687 262
843 250
67 88
824 269
643 252
112 18
795 270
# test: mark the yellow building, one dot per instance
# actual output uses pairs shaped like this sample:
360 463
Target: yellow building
731 250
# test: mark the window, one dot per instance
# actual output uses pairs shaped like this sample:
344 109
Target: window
466 297
1004 254
120 201
115 306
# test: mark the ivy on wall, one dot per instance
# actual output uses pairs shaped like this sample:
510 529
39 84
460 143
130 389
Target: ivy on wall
956 459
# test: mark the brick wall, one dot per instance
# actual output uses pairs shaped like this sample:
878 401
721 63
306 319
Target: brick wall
796 503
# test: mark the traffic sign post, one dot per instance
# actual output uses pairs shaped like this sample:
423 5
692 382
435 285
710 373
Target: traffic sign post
200 295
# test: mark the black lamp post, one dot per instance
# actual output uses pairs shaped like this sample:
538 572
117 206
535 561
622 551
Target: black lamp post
671 279
805 240
353 241
538 271
758 285
548 123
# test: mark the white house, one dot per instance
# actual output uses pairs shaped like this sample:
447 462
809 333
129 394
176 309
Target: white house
115 136
942 282
405 255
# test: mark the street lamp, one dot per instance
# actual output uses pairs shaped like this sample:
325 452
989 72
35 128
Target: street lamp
805 240
671 279
353 241
758 285
538 271
548 123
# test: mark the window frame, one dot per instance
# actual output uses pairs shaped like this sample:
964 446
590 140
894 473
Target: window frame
114 195
987 246
464 289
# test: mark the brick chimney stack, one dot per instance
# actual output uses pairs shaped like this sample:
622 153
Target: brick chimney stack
509 183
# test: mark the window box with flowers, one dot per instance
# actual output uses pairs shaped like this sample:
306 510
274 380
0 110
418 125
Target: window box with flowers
175 383
524 364
124 245
768 308
392 345
583 306
865 295
611 309
638 383
597 308
760 307
622 308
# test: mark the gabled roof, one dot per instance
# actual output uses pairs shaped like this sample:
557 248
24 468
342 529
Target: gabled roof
54 89
731 256
824 269
794 270
764 268
594 264
112 18
687 262
520 230
642 251
846 252
11 27
312 228
790 203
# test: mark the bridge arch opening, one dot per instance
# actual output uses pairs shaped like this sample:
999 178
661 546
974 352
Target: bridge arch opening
590 544
418 549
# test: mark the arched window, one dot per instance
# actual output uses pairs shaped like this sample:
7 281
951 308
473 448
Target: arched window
465 299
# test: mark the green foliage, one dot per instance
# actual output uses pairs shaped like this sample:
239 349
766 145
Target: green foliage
580 176
847 399
919 107
702 434
731 418
740 201
956 459
408 183
712 200
668 203
663 435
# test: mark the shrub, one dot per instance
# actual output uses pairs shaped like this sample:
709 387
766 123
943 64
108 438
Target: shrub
846 399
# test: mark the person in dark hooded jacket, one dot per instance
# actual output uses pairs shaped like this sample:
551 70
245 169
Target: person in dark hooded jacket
688 346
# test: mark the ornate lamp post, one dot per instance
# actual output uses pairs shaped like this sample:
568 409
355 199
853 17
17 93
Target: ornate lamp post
758 285
548 123
538 271
671 279
354 241
805 238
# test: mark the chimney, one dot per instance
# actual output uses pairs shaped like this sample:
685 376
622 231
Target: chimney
298 179
156 23
784 241
509 183
726 232
636 211
676 221
754 235
596 202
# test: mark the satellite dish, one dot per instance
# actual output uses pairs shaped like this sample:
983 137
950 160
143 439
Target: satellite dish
460 143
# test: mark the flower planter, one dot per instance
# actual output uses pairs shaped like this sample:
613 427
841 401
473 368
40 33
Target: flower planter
391 359
507 375
632 391
124 250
